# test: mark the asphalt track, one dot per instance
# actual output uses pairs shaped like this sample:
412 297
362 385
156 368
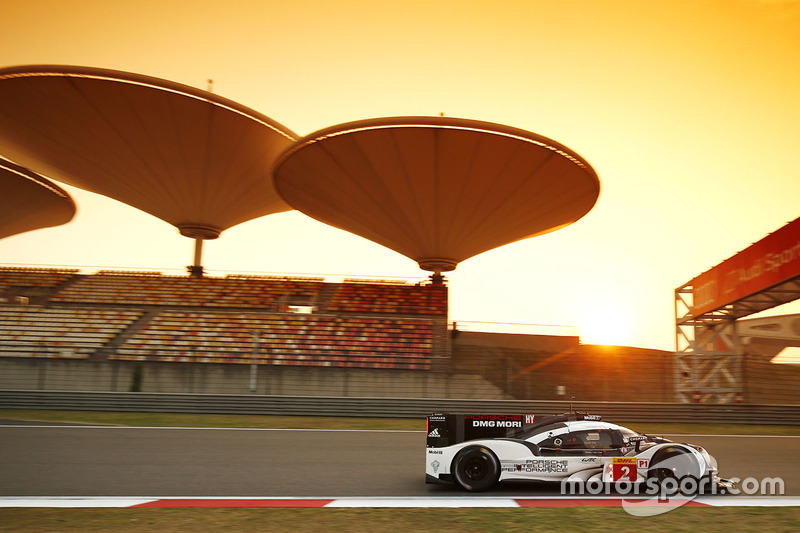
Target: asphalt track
69 461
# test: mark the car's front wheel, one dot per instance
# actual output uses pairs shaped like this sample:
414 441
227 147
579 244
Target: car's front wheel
476 468
672 466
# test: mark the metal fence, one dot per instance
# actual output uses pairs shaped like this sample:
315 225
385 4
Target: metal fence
392 407
585 373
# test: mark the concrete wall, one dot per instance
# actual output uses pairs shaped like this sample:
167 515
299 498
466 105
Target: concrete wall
208 378
515 341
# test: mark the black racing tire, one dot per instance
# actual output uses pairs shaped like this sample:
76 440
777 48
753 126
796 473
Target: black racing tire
675 464
475 468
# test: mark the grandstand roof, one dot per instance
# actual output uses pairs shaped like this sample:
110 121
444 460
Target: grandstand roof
436 189
30 201
187 156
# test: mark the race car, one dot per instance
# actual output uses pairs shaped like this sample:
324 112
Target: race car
477 451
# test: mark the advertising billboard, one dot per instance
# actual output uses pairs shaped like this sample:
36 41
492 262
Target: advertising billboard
768 262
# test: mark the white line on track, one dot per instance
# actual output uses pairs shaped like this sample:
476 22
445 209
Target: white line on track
738 436
451 503
750 501
32 426
72 503
361 502
79 426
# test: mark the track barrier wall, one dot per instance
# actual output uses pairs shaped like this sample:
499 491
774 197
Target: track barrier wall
392 407
487 367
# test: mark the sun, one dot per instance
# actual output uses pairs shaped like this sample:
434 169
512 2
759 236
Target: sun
604 325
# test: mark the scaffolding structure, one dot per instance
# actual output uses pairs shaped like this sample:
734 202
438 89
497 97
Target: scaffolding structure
708 354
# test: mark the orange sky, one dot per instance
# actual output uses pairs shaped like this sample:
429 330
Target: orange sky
689 111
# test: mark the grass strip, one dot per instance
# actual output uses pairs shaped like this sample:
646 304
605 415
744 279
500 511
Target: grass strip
704 519
207 420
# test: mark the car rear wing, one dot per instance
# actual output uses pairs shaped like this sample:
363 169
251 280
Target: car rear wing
445 429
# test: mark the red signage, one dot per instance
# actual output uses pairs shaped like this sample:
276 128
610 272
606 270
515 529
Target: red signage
770 261
623 469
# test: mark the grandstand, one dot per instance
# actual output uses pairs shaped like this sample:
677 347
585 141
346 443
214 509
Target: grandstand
114 318
302 340
61 329
151 317
149 288
36 331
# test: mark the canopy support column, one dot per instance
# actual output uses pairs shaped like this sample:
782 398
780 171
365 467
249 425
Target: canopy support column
199 234
196 270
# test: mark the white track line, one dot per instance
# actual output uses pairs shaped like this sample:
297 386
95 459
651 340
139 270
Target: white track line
311 430
178 428
750 501
72 503
451 503
369 502
171 428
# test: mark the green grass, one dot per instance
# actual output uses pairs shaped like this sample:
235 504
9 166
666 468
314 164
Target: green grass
323 422
204 420
397 520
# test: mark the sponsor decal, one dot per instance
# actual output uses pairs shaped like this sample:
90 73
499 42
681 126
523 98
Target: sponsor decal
495 421
434 433
530 419
623 469
643 464
539 466
435 452
589 460
496 424
435 465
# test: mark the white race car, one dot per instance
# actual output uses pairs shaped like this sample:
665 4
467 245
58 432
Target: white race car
477 451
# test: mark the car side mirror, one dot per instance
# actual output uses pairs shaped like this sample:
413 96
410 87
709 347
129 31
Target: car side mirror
639 439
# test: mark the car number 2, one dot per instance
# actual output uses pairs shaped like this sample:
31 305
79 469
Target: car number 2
623 469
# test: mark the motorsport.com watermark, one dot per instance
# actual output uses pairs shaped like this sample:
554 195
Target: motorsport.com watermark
686 487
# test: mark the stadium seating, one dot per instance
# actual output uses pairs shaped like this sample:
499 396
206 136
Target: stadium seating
33 277
302 340
155 289
75 333
365 297
147 316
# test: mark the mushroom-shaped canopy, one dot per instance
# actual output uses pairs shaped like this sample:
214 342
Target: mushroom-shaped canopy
187 156
29 201
436 189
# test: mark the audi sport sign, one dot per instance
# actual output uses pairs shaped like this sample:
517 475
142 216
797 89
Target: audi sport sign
770 261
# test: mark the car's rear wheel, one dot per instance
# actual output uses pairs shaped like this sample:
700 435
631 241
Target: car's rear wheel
476 468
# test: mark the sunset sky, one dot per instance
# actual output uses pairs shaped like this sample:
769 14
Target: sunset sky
689 111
